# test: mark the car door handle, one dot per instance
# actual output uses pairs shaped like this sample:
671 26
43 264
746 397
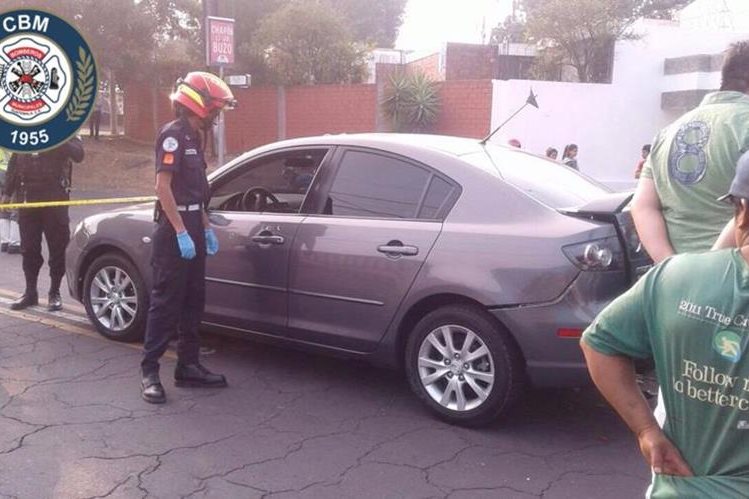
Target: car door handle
393 249
269 239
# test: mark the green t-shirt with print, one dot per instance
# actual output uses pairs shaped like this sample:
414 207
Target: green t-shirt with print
691 315
692 162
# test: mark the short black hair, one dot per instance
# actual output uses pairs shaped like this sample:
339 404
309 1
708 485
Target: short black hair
735 72
646 147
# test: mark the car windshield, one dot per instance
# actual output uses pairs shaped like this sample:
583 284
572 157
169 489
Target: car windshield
547 181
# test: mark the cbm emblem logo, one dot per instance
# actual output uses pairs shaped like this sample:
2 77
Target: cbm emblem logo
48 81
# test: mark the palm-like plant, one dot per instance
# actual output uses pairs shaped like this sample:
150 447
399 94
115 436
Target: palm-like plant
411 102
422 102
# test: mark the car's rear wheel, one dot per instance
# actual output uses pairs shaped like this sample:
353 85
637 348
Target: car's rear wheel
114 295
463 365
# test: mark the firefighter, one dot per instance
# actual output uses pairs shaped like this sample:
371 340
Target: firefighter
183 236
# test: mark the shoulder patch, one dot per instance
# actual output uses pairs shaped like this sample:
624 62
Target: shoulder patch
170 144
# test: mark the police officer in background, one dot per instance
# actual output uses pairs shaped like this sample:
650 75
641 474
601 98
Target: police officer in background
182 237
44 176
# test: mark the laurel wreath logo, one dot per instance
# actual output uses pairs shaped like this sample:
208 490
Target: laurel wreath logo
84 90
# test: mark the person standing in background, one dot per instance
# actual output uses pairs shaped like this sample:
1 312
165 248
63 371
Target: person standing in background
95 120
643 156
9 235
692 162
43 176
552 153
569 156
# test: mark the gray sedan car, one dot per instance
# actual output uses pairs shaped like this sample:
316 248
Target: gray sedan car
472 267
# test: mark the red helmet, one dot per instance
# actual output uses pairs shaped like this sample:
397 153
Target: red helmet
203 93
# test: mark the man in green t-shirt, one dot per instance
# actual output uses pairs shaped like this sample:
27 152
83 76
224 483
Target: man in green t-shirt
691 163
690 314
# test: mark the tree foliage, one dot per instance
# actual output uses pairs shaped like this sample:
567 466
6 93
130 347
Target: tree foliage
308 42
156 40
372 22
585 30
135 40
511 30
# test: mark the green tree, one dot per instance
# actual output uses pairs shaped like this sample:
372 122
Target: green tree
307 42
585 30
662 9
147 40
374 23
511 30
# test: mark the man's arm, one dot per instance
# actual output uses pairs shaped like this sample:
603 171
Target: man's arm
75 149
648 216
11 181
615 378
727 237
166 199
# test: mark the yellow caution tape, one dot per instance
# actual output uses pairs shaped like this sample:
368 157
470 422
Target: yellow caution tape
77 202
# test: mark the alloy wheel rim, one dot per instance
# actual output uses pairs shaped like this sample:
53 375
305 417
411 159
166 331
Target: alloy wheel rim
114 299
456 368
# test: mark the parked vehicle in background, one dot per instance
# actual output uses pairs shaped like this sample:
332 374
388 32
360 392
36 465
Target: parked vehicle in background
474 268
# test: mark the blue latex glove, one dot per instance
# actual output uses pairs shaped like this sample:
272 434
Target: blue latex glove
211 242
186 246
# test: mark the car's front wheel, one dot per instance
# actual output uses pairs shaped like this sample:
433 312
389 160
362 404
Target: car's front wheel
114 295
463 365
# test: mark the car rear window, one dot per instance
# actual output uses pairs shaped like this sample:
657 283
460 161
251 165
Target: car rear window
547 181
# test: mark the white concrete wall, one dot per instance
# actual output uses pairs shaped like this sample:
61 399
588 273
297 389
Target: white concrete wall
609 122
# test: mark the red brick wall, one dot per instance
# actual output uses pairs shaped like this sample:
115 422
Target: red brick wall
466 108
465 61
320 109
312 110
142 117
429 65
255 120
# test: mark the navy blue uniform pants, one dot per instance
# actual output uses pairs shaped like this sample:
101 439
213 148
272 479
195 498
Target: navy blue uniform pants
53 223
178 294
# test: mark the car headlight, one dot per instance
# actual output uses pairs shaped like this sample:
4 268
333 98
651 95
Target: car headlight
601 254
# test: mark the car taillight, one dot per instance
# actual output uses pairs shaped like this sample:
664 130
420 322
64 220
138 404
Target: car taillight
569 332
598 255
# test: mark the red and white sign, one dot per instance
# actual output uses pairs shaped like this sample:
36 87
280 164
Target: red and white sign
219 41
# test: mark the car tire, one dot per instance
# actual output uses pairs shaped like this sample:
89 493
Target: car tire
490 383
126 292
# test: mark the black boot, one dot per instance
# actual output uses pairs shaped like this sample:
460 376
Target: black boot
54 301
195 375
27 299
151 389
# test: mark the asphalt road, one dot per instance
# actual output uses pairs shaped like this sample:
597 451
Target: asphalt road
291 424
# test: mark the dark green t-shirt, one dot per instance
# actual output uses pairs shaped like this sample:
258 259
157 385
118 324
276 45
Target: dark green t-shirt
691 315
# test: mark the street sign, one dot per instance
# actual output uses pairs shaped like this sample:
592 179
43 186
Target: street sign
219 46
243 81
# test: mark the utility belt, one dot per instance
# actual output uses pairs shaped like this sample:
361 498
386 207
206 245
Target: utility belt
158 212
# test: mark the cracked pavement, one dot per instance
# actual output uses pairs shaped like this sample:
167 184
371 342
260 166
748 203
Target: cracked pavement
290 425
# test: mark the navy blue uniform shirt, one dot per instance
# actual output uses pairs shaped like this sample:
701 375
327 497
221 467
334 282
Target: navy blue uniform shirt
178 150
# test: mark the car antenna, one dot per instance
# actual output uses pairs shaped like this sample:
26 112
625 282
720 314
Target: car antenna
530 100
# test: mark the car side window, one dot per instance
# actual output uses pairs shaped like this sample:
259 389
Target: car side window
376 186
276 183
